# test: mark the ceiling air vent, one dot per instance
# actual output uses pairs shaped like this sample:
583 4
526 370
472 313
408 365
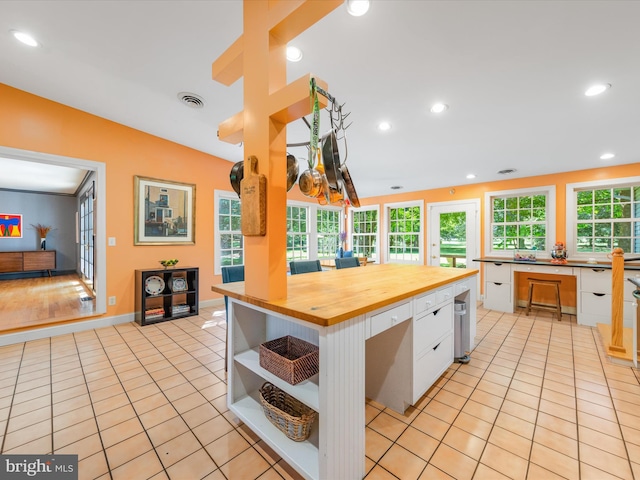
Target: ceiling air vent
506 171
191 99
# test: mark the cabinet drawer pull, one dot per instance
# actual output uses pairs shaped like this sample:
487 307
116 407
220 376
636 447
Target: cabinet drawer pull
436 312
497 264
435 348
599 294
496 283
598 270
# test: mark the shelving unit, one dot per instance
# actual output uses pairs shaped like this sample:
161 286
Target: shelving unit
166 294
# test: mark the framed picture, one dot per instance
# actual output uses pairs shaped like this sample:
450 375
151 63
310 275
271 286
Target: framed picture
164 212
10 225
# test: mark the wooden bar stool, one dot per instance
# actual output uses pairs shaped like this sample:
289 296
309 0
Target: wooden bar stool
555 284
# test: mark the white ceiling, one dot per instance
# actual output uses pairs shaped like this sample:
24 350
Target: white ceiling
513 72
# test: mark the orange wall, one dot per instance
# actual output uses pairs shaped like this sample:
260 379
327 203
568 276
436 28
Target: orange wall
477 191
33 123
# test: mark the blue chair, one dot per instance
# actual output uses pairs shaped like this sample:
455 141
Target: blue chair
347 254
230 275
347 262
305 266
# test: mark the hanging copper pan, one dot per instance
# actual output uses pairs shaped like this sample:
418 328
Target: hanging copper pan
331 160
236 175
292 171
348 186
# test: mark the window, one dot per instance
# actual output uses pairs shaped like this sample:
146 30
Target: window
404 238
328 227
364 232
297 233
521 220
312 231
230 242
604 215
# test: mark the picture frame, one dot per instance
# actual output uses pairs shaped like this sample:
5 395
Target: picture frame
164 212
11 225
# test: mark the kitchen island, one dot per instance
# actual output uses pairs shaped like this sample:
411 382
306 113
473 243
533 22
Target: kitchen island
390 324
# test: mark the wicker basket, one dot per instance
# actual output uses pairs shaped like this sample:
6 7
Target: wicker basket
290 416
289 358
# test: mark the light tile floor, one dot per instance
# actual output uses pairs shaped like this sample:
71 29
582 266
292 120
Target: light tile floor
538 400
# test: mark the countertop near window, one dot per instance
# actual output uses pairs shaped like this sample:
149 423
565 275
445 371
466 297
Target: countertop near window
635 265
330 297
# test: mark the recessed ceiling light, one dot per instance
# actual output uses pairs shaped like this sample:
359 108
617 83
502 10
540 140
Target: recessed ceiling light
384 126
597 89
439 108
506 171
397 187
357 8
607 156
191 99
25 38
294 54
470 176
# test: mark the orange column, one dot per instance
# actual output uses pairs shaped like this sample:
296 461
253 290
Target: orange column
269 104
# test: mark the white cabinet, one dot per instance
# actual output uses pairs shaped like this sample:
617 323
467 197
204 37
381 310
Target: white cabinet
594 296
629 299
387 318
498 287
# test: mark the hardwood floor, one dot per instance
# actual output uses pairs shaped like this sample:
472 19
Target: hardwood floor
34 302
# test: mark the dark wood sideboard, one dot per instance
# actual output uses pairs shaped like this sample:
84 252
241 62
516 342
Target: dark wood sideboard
28 261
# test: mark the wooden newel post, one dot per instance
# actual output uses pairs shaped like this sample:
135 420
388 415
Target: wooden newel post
617 300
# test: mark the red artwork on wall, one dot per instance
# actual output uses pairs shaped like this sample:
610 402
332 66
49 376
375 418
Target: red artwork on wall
10 225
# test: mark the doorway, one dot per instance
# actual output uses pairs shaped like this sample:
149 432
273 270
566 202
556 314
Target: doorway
454 233
96 257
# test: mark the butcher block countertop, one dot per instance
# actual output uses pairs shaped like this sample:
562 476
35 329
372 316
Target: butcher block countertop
330 297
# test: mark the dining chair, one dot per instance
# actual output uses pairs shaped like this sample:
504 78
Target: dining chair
304 266
347 262
230 275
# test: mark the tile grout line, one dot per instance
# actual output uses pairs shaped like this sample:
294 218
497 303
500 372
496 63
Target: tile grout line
13 396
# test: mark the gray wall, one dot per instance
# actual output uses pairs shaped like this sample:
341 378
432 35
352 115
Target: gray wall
59 211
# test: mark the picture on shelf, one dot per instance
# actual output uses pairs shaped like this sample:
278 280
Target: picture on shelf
164 212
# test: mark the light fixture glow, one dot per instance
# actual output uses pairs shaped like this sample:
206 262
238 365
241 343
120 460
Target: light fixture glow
294 54
470 176
597 89
25 38
439 108
357 8
607 156
384 126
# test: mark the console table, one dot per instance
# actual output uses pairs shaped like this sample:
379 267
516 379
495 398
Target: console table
385 331
28 261
593 286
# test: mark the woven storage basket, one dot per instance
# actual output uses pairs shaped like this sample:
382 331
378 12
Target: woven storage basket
289 415
289 358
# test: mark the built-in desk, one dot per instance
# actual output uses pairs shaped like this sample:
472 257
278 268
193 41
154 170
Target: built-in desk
391 324
593 286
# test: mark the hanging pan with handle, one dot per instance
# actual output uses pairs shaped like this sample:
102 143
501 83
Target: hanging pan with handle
237 174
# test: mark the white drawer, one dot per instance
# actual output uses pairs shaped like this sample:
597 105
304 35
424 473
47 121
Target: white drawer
497 272
596 303
428 328
444 295
424 302
389 318
543 269
428 368
596 280
462 286
498 296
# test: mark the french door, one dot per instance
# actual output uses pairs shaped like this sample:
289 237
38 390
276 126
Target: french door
87 237
454 233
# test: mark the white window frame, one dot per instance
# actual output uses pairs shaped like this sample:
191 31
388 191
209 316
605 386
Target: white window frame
217 196
329 208
312 212
375 208
549 191
571 212
387 219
